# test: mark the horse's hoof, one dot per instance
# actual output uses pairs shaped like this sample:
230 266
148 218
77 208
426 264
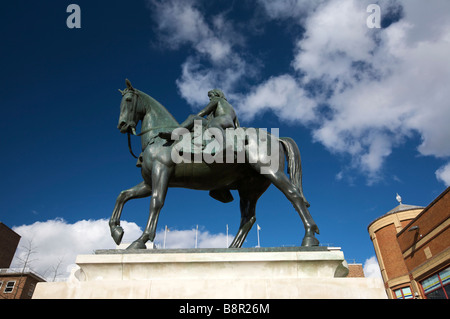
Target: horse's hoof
137 245
117 234
316 229
310 241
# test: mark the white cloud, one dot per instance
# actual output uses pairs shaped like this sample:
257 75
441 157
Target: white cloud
179 22
214 62
384 84
371 268
282 9
443 174
186 239
336 35
379 87
283 95
196 79
56 240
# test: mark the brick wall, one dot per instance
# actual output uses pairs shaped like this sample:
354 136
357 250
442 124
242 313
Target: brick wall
355 271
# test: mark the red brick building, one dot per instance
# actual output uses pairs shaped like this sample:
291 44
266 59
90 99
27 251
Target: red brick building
9 240
14 283
412 245
355 271
18 283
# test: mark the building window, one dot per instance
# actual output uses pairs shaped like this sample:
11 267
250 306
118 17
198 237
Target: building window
437 286
403 293
9 287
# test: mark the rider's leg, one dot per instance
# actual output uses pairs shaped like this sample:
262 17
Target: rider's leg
187 124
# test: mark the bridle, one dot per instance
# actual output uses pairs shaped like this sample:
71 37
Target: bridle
133 130
134 107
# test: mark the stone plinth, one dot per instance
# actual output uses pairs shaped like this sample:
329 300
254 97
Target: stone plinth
290 272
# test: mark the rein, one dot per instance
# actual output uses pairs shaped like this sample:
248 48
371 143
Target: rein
142 133
129 146
132 90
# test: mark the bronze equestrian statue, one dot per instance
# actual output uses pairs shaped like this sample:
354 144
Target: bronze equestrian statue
161 169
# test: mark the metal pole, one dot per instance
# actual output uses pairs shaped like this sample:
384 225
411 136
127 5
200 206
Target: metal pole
165 235
258 229
196 231
227 235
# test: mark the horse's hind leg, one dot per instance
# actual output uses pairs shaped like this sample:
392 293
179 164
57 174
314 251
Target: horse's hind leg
249 195
282 182
247 220
139 191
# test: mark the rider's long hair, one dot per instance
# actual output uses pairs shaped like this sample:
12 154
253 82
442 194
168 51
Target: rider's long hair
218 93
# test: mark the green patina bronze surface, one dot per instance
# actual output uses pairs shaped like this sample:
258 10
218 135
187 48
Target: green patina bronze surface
250 177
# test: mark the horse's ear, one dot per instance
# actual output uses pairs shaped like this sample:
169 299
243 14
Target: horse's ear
128 83
121 92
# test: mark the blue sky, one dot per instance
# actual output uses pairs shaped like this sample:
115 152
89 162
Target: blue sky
368 109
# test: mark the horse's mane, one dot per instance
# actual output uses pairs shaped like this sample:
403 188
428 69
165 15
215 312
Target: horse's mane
154 106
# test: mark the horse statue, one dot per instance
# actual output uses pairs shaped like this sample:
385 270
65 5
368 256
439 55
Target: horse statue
160 170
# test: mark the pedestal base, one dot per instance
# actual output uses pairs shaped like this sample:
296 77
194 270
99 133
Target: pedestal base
256 273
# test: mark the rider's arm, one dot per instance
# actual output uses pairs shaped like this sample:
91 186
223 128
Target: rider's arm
211 107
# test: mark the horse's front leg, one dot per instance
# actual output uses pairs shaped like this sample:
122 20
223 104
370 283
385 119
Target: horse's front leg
160 182
139 191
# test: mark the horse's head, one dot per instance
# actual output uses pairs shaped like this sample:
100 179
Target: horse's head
129 113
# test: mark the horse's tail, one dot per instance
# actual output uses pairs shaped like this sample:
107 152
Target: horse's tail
294 164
